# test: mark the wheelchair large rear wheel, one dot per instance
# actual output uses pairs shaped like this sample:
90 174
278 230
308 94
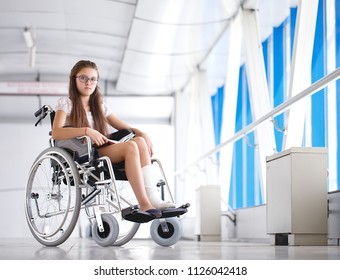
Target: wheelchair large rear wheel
53 197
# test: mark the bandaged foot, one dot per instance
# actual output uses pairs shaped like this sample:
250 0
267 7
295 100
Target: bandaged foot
155 199
152 191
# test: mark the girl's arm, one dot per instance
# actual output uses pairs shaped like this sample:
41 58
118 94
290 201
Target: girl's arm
59 132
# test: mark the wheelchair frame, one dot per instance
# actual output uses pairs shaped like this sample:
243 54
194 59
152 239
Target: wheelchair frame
62 182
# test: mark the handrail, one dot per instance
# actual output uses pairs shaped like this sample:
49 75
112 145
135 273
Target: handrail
320 84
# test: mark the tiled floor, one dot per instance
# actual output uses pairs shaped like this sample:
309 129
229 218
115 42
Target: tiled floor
142 249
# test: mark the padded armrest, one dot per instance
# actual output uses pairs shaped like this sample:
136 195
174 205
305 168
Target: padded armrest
80 148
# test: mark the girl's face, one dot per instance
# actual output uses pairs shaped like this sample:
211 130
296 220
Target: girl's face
86 81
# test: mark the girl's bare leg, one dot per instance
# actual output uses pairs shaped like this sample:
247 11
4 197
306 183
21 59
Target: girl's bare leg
150 181
143 151
129 153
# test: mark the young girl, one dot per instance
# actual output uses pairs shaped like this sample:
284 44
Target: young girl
86 112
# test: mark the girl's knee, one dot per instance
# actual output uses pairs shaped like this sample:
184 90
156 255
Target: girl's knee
131 146
131 151
140 141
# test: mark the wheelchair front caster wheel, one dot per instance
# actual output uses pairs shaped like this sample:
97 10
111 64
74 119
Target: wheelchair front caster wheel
166 232
110 233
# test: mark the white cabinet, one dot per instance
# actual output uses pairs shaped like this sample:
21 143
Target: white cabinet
297 196
208 211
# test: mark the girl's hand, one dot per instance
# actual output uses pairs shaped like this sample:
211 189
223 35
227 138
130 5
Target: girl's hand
148 143
96 137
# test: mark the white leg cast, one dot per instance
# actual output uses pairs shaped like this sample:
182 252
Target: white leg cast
152 190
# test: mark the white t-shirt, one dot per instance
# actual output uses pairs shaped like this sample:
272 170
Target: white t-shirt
65 104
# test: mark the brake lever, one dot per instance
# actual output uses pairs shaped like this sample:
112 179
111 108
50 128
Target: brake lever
40 119
43 115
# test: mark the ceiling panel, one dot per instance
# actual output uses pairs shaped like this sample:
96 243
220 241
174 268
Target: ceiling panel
158 65
145 48
64 32
165 85
173 39
186 12
180 36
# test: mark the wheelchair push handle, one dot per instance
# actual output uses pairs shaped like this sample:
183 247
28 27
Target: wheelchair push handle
43 109
37 113
42 113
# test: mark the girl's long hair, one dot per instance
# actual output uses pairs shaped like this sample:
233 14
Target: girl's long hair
78 115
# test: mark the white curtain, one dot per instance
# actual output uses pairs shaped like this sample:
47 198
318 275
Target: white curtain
199 139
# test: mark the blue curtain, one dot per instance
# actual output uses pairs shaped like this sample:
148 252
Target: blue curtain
244 184
318 71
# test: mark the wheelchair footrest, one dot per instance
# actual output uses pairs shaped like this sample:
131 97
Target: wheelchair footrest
133 214
175 212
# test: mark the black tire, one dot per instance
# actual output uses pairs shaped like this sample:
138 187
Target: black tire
166 238
110 233
53 197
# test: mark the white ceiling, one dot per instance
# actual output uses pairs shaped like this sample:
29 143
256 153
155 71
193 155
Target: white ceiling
145 48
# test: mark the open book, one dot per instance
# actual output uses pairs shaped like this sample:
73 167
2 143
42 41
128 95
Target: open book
118 136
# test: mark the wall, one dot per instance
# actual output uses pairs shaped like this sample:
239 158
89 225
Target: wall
20 145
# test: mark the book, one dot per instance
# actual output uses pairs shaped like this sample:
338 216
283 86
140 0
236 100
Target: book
119 136
122 135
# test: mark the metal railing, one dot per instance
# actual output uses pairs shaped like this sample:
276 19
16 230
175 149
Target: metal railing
320 84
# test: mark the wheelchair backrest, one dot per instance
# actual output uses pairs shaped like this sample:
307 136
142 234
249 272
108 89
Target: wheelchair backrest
79 148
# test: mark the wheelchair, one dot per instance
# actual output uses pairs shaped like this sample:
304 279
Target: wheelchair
69 176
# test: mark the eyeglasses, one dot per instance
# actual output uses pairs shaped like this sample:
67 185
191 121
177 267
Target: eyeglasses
84 79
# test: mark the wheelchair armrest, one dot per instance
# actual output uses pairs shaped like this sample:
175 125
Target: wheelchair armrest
88 142
80 148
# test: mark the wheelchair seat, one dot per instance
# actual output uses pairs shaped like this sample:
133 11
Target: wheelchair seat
119 171
83 151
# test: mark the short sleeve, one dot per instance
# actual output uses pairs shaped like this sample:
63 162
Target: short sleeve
64 104
107 110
